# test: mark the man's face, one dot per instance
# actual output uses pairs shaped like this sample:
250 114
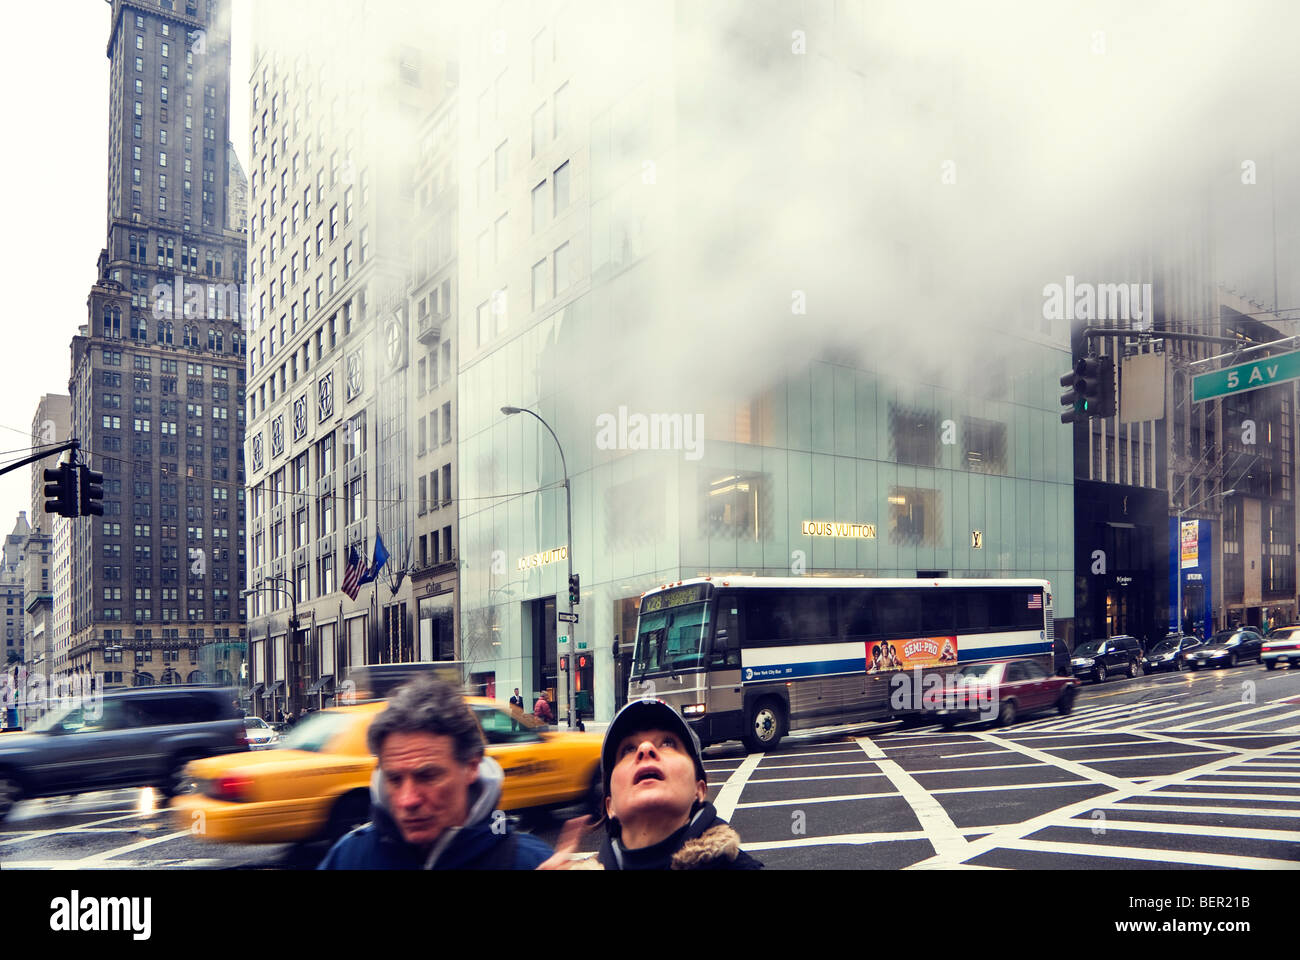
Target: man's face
653 773
428 788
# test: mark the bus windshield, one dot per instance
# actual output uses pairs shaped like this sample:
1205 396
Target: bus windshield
671 640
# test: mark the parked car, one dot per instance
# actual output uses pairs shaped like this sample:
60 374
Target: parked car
1098 659
1168 653
315 784
133 738
1226 648
259 732
1012 688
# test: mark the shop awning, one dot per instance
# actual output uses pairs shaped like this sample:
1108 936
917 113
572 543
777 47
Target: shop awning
275 689
257 690
321 684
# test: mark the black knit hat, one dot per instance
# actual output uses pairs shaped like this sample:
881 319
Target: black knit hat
647 715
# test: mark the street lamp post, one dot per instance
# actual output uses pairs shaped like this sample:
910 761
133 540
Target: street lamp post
293 627
568 552
1178 574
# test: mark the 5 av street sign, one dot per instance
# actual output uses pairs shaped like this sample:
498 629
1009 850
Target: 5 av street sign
1246 376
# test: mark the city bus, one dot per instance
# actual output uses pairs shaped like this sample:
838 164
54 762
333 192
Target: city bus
752 658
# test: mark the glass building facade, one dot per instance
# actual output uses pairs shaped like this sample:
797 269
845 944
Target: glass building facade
773 488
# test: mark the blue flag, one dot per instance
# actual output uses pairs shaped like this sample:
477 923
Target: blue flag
381 558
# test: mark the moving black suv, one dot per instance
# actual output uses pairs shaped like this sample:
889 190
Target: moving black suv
1098 659
132 738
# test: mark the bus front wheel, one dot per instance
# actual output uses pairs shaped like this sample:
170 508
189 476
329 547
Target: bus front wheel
766 726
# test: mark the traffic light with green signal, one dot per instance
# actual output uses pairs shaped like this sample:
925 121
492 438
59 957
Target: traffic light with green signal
1072 398
575 591
61 490
1091 390
1096 383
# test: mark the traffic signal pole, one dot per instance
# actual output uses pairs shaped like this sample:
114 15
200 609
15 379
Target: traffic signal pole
45 452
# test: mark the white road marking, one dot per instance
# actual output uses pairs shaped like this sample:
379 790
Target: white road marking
1075 767
1254 723
1204 795
1154 854
1186 829
38 834
939 828
1013 838
1145 756
1192 808
853 839
804 800
725 802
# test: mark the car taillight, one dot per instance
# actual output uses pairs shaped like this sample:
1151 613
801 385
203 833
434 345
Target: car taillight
230 788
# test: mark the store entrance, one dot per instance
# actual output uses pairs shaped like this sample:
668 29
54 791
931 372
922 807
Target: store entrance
545 668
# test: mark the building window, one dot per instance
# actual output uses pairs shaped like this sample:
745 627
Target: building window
539 206
540 295
560 184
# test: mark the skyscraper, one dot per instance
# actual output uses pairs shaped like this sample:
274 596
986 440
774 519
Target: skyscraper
157 379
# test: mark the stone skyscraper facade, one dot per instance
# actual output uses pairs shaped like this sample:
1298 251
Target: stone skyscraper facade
157 378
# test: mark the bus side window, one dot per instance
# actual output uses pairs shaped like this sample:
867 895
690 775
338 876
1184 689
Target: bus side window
726 634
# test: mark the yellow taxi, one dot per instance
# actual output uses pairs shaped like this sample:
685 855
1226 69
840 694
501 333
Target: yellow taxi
316 782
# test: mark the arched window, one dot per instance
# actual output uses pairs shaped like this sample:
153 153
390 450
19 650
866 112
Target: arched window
141 332
212 339
169 332
162 332
117 323
220 341
108 321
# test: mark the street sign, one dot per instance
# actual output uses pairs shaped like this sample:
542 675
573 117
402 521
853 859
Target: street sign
568 617
563 640
582 644
1246 376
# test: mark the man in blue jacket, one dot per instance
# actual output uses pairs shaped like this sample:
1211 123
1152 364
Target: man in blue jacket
434 794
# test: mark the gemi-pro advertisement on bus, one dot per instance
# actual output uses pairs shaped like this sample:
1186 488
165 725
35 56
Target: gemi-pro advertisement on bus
794 662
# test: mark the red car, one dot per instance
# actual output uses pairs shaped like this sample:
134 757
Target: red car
1002 691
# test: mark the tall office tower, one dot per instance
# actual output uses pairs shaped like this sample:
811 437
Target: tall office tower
11 589
157 379
340 95
50 425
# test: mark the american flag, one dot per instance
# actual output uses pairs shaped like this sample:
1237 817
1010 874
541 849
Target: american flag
352 575
1035 601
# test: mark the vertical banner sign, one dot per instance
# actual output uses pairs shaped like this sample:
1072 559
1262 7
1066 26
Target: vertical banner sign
1190 537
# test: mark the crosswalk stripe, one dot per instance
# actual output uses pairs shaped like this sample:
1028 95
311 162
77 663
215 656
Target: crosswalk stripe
1255 723
1185 829
1148 853
726 799
938 825
1216 811
1217 709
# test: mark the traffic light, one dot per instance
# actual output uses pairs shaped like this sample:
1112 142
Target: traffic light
91 496
575 592
564 664
1096 384
1091 390
1072 398
61 490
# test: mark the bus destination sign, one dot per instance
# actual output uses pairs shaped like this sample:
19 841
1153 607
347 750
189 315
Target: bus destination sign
673 598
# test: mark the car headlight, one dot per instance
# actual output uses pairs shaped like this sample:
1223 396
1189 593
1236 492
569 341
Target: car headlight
1081 663
693 710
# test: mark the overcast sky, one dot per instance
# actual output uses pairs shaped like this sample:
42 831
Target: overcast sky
55 173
